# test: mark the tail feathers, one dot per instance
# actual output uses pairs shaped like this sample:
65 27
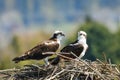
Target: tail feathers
55 61
18 59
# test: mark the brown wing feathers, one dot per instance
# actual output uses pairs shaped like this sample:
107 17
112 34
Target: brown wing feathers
36 52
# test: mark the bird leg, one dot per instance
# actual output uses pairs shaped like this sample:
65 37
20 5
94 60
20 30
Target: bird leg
46 61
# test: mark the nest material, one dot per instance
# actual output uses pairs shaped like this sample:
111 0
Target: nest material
72 70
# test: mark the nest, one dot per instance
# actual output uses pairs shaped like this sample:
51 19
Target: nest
72 70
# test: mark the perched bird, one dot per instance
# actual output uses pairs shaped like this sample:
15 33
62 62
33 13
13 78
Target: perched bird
77 48
36 53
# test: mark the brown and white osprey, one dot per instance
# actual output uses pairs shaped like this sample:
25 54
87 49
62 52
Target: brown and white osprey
36 53
78 48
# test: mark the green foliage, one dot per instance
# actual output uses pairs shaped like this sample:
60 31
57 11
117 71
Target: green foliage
114 49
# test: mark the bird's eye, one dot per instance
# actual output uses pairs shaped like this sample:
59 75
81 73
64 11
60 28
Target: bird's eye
80 34
60 33
84 35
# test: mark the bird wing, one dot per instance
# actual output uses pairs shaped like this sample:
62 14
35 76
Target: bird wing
74 48
69 47
36 52
47 46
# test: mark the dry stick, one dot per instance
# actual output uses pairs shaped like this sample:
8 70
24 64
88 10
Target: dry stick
61 55
56 75
72 76
92 77
5 75
87 77
109 61
54 71
119 67
11 77
112 65
9 70
117 70
105 58
81 72
78 61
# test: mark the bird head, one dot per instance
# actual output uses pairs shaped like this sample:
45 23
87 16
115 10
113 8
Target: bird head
82 35
59 35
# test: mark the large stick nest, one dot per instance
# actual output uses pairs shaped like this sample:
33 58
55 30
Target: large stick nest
71 70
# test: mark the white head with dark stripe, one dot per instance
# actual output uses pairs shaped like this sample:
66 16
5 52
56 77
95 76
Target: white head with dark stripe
58 34
82 35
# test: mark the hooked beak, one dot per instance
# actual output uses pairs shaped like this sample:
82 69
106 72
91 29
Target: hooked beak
63 35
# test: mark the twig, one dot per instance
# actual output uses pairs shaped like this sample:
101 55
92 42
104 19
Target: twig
81 72
105 58
87 77
72 76
56 75
54 70
9 70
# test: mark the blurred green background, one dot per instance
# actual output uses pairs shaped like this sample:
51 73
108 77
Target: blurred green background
24 23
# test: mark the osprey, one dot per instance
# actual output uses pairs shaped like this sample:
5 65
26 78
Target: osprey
77 48
36 53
